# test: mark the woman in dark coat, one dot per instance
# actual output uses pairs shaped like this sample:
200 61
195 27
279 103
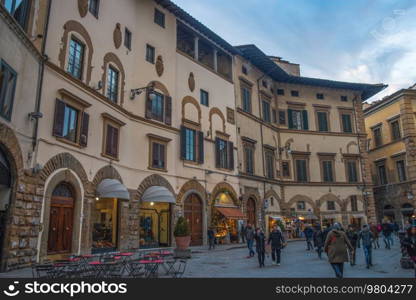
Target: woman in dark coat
336 247
260 246
319 240
410 243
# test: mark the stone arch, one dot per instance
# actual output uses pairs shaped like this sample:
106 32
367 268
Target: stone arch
216 111
273 193
11 146
189 187
191 100
112 58
308 200
331 197
351 144
224 186
74 26
157 85
153 180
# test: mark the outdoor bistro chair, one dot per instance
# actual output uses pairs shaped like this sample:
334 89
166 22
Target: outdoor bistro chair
178 268
45 271
137 269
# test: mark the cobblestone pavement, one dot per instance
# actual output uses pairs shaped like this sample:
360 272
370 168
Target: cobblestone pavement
296 262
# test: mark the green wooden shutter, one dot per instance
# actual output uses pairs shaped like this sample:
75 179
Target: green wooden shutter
58 125
231 155
290 118
217 152
183 142
200 147
305 120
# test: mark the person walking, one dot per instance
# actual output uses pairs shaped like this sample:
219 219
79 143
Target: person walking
250 240
277 241
336 246
243 233
318 240
260 246
386 230
211 238
410 244
374 231
353 237
396 228
308 232
366 237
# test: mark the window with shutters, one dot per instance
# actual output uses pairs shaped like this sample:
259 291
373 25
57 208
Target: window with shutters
274 116
159 18
159 107
249 159
19 10
285 169
111 138
190 144
378 139
246 98
150 54
94 7
322 121
401 170
204 98
76 58
298 119
346 122
330 205
224 152
354 203
269 161
327 170
352 170
382 174
301 169
71 122
266 110
395 130
112 84
7 89
282 117
158 146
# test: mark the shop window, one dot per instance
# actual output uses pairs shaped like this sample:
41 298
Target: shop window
76 58
246 98
204 98
185 40
94 7
354 203
155 219
301 170
269 160
112 84
206 53
352 173
401 170
301 205
159 18
150 54
19 10
105 225
395 130
127 38
266 111
224 154
224 64
346 123
322 117
192 145
7 90
330 205
298 119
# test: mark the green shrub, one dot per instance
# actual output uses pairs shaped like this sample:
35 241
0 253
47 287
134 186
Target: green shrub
181 227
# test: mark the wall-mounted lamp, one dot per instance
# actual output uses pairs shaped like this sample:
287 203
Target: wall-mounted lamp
285 148
99 86
35 115
150 88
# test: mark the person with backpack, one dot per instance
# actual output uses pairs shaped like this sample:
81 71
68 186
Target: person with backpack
277 241
336 247
366 237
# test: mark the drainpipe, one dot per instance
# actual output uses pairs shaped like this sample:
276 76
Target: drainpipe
40 77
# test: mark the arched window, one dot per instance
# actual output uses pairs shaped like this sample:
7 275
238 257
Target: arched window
62 190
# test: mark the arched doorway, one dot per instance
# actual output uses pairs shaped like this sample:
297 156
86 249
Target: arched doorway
193 213
251 212
61 219
5 194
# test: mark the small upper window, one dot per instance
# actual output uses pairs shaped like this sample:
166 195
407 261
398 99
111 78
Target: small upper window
330 205
127 38
75 58
344 98
150 54
264 83
280 92
94 7
159 18
244 70
204 98
320 96
294 93
7 88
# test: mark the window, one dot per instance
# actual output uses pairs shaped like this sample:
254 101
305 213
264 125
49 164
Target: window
192 145
75 58
159 18
264 83
344 98
266 111
204 98
274 115
294 93
112 84
280 92
224 64
301 205
352 175
269 157
282 117
354 203
94 7
246 99
401 170
19 9
378 141
346 123
7 88
69 131
244 70
185 40
127 39
327 171
382 174
320 96
322 121
301 170
249 159
157 107
111 141
285 169
298 119
158 156
205 53
150 54
224 152
330 205
395 130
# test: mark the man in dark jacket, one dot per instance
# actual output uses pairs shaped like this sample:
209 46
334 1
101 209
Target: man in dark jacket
308 232
250 239
410 244
366 237
319 240
353 237
243 233
277 241
260 246
387 231
211 238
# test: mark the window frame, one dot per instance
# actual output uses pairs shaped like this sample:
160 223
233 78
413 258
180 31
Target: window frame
355 160
109 120
331 207
378 139
282 174
395 138
114 69
382 180
403 177
325 158
159 14
350 114
250 148
4 90
82 62
152 49
268 104
223 154
270 165
249 90
328 123
155 139
24 18
354 203
305 158
201 93
128 38
294 93
96 11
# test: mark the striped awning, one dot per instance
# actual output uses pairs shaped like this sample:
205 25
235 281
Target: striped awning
158 194
112 188
231 213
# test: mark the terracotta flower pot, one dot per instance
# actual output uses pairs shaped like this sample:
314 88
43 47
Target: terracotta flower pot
183 242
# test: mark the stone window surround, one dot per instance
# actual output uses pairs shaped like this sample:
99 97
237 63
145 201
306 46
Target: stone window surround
326 109
110 120
352 157
398 157
327 157
249 143
391 121
299 155
346 111
281 168
153 138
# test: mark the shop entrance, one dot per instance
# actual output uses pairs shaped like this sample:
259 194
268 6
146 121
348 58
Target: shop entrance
5 194
251 212
193 213
61 219
105 225
154 225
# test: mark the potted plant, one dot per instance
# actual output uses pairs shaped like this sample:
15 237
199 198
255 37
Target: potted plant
182 234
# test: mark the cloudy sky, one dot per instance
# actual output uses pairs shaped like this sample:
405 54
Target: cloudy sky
369 41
